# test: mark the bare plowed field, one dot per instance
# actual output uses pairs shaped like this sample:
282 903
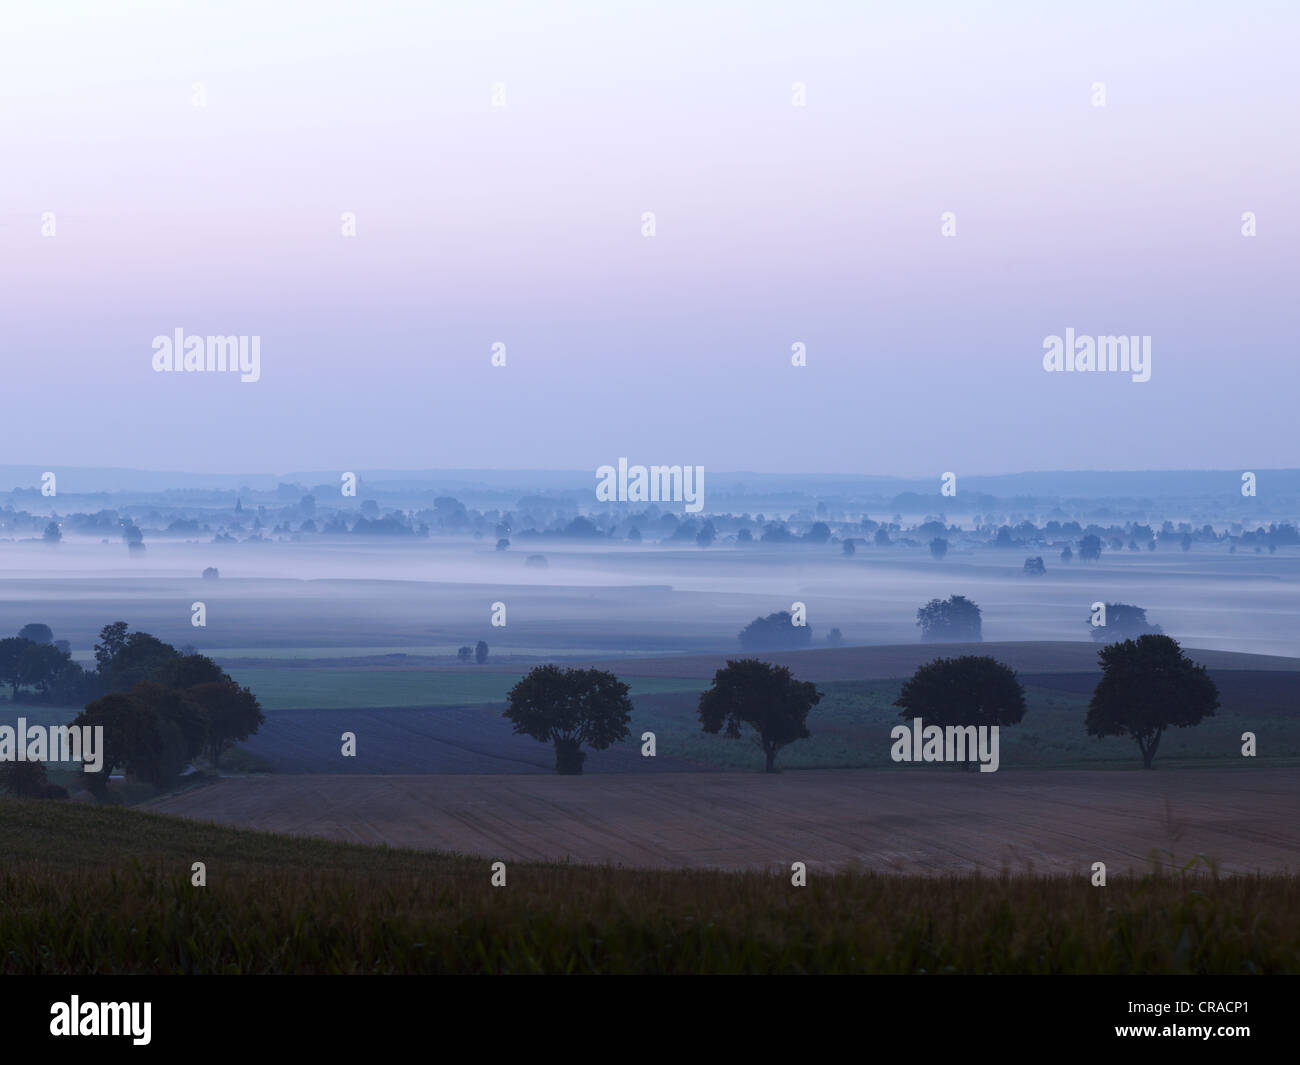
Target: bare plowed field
910 820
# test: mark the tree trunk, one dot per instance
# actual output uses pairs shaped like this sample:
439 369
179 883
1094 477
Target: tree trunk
569 757
771 758
1149 750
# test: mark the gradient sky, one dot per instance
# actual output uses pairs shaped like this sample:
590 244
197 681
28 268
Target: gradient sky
776 224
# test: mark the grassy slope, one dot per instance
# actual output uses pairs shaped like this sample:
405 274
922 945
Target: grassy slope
91 889
851 725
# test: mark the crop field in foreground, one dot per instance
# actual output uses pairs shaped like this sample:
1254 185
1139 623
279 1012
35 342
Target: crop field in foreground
106 890
922 821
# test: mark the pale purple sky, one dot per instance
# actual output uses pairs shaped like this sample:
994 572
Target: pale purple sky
775 224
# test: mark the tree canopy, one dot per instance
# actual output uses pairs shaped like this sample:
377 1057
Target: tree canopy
569 708
775 632
955 619
969 690
1123 622
1147 686
767 698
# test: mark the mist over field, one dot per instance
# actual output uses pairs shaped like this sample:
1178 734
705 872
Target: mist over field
307 572
561 486
430 597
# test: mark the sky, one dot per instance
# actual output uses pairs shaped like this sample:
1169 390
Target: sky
195 163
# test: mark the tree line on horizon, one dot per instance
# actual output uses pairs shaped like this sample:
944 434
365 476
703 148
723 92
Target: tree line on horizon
1148 686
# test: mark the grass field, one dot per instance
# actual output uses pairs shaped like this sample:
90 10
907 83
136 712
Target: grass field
412 717
88 890
437 739
345 688
850 728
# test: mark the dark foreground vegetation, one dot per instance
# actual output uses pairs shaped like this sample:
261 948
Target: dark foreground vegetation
87 889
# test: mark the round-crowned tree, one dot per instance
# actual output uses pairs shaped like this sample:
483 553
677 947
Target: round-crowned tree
568 708
37 632
970 690
953 620
775 632
1148 685
1090 548
766 698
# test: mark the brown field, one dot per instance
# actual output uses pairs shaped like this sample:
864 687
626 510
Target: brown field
907 821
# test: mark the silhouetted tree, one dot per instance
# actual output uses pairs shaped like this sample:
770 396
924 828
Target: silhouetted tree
766 698
776 533
938 547
111 639
182 725
233 714
11 653
820 533
132 739
1123 622
569 708
37 633
1034 566
190 670
955 619
140 656
1148 685
969 690
775 632
1090 548
480 652
38 665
